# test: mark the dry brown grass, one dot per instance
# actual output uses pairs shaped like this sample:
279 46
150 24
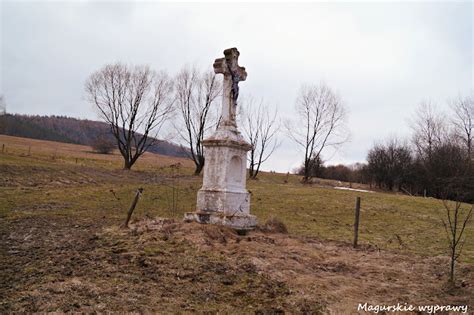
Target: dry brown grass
70 152
273 225
333 274
166 265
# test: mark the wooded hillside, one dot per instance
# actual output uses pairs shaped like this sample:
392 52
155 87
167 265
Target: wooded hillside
70 130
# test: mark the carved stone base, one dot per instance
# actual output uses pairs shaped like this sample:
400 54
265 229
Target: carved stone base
227 202
237 221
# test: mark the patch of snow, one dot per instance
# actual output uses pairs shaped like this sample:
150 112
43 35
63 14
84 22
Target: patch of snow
352 189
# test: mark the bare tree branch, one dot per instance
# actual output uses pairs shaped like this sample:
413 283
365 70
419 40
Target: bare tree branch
261 128
321 123
429 129
135 102
463 122
455 230
195 94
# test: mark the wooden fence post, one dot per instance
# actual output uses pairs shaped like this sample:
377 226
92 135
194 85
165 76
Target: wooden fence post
132 207
3 148
356 223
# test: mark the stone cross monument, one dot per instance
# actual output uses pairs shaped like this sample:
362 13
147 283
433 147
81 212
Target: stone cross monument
223 198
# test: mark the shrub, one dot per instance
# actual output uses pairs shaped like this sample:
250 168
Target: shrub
103 145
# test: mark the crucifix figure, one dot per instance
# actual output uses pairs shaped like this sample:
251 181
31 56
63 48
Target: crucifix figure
233 74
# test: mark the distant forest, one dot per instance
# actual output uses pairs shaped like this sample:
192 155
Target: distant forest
70 130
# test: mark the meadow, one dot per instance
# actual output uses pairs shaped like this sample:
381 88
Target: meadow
61 206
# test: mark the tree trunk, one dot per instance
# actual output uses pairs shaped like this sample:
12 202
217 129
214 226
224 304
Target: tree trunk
198 169
453 260
252 172
255 172
307 170
199 161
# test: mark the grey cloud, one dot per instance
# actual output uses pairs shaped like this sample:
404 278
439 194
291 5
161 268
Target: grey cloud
382 58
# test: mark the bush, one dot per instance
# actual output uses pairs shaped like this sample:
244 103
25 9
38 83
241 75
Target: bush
103 145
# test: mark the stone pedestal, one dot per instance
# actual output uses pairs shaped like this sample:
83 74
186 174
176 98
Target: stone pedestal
223 198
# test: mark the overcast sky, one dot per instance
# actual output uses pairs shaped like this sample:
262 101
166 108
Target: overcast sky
382 58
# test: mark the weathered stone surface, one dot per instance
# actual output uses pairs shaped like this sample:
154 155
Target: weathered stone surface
223 198
238 222
233 74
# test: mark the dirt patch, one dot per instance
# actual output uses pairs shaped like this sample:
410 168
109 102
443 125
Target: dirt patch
81 267
59 264
336 275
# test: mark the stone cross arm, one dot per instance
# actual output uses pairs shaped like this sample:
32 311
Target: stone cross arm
229 65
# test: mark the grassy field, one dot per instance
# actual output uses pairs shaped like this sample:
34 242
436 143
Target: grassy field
58 201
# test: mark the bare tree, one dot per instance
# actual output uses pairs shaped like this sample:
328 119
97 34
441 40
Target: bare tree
320 125
390 163
195 93
463 121
455 226
3 105
260 127
3 111
428 128
135 101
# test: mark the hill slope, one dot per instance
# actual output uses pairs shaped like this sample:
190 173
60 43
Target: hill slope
70 130
61 248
